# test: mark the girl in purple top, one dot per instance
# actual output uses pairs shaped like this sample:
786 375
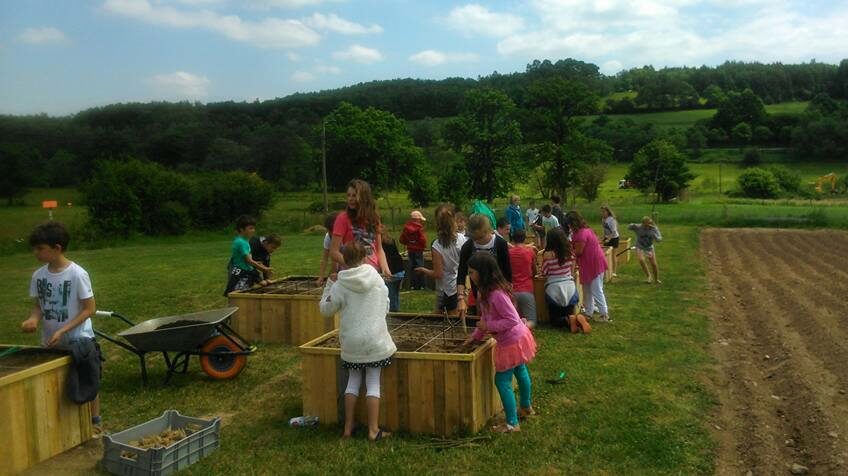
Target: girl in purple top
591 262
515 343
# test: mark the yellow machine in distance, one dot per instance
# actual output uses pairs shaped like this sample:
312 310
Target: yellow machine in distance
831 177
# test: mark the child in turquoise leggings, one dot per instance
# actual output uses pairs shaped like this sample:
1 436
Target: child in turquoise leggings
516 345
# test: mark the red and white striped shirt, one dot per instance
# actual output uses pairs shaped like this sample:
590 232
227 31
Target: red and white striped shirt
551 268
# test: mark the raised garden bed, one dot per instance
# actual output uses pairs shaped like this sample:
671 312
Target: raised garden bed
429 282
434 385
283 312
37 420
623 258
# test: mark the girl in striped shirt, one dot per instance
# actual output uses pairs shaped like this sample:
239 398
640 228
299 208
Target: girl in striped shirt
560 291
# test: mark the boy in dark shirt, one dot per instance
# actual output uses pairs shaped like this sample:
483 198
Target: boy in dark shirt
261 249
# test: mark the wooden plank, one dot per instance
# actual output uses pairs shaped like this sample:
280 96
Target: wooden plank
59 361
439 398
453 423
389 397
542 314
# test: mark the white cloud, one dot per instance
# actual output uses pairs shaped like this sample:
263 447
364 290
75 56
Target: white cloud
266 4
302 76
266 33
620 33
294 57
328 69
435 58
42 36
180 85
477 19
333 22
359 54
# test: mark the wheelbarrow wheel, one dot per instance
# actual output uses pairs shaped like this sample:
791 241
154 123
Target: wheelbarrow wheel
222 367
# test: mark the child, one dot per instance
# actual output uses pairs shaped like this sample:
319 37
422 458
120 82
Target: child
445 250
522 260
461 222
63 302
415 240
610 224
482 238
261 249
591 262
395 267
556 209
515 343
503 228
513 214
326 262
362 298
646 233
533 215
561 294
549 220
244 271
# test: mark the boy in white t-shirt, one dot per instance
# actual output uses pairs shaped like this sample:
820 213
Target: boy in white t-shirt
63 300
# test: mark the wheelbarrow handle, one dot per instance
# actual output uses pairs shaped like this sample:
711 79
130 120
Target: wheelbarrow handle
100 313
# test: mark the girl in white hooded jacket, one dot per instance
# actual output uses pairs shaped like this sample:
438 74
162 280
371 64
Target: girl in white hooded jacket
363 299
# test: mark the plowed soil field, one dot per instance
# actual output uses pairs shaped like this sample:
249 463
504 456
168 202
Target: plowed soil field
780 320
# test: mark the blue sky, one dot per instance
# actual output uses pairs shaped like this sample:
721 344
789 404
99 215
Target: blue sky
62 56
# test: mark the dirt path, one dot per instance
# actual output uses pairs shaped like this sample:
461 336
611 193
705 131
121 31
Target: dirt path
780 321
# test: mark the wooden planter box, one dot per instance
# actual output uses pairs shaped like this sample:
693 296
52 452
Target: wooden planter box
284 312
539 293
623 258
423 391
609 256
37 419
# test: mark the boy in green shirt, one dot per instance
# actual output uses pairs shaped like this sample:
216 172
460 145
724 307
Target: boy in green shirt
244 271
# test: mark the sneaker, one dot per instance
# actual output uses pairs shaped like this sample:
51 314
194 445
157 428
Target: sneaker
524 413
604 318
506 428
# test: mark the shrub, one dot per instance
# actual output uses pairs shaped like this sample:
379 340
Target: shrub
741 133
218 198
591 178
758 183
170 218
113 208
788 180
762 135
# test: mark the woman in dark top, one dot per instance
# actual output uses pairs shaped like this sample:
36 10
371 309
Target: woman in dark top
483 239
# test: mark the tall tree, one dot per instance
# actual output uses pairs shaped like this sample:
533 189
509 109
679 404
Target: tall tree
370 144
554 105
485 133
661 169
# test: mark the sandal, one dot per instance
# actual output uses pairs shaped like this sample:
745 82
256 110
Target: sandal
506 428
381 435
525 413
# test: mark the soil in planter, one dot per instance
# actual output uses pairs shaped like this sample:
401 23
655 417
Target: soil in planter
291 286
180 323
24 359
421 335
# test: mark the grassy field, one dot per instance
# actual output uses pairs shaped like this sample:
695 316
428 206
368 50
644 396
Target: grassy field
633 402
685 119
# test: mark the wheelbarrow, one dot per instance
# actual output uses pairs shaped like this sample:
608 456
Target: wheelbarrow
223 353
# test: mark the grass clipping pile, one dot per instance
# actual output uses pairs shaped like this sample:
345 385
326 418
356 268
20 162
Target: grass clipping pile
161 440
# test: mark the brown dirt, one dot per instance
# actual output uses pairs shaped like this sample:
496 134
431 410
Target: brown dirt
24 359
780 321
423 335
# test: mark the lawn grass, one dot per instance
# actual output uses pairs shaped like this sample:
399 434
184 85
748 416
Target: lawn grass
688 118
633 401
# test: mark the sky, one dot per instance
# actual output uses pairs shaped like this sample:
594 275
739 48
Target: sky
62 56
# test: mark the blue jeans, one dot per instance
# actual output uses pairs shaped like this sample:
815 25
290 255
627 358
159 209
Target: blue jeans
394 291
416 260
503 381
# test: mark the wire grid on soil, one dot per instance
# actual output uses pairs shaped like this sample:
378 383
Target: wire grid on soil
305 285
25 359
441 335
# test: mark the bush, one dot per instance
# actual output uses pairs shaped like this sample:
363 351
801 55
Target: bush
762 135
751 157
788 180
218 198
113 208
591 178
170 218
741 133
758 183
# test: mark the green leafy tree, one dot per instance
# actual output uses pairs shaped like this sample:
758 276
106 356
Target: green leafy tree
591 178
370 144
744 107
661 169
554 106
696 140
741 133
485 133
15 165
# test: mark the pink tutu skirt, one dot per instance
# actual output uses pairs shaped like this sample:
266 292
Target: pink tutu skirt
521 351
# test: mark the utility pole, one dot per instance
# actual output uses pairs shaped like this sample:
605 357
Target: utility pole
324 163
